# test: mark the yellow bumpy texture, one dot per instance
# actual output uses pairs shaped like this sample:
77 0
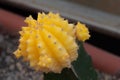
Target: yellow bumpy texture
82 32
49 43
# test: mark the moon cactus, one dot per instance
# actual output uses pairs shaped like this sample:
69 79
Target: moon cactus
49 43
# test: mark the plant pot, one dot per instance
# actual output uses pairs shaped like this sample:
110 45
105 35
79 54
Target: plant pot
102 60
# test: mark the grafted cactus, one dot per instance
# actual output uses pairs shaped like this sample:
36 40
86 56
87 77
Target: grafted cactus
49 43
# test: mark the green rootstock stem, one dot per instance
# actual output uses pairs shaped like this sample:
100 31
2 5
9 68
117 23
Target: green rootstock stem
82 69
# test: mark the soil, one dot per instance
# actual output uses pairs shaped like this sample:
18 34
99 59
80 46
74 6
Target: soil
15 69
10 67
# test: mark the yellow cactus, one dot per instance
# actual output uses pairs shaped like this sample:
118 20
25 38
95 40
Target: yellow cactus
48 43
82 32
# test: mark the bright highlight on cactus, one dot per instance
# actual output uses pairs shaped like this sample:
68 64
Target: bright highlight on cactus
49 43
